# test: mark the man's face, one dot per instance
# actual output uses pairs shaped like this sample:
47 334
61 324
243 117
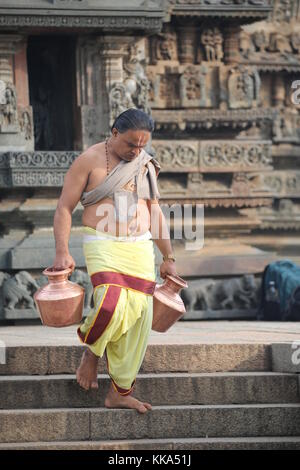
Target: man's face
129 144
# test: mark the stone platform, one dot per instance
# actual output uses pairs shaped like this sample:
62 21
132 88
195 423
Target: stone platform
183 332
212 385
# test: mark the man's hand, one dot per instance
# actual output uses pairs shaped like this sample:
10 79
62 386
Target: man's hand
167 267
63 261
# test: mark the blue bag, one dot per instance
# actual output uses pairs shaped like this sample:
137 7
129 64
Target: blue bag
286 277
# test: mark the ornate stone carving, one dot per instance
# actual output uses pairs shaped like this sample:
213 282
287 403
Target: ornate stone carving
17 290
224 156
283 184
212 156
240 184
120 100
212 43
285 10
210 294
243 87
26 124
286 216
35 168
136 81
176 155
8 109
258 8
193 87
286 126
187 36
164 47
193 120
271 49
133 91
164 88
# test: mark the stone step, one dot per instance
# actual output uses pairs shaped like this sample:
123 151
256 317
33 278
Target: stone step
214 443
75 424
203 357
62 391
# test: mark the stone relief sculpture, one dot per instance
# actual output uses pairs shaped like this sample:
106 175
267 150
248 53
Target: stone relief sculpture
280 43
211 294
260 41
16 291
212 41
137 83
165 46
243 87
193 87
26 125
8 107
134 90
246 46
286 125
120 99
295 41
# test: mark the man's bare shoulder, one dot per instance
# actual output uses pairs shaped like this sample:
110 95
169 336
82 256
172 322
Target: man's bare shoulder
92 157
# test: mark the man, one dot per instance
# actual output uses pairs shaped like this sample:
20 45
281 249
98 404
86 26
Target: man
116 183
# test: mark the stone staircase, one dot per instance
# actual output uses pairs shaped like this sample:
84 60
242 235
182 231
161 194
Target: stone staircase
204 396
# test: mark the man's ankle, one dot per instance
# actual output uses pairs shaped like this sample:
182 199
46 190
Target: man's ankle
91 354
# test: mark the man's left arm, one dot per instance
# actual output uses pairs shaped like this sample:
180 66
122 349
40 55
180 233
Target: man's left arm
161 237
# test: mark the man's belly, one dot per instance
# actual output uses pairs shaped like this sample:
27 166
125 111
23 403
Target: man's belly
101 217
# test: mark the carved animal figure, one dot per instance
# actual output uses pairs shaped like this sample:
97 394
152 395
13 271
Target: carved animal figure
208 294
14 290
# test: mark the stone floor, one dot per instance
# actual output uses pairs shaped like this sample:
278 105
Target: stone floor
183 332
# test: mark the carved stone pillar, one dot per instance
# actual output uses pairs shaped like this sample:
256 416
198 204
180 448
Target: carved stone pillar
187 37
278 90
231 44
99 68
16 125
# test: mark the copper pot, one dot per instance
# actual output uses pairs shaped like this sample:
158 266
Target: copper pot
59 303
168 306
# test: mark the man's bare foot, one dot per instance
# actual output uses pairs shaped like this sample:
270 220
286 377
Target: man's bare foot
86 373
115 400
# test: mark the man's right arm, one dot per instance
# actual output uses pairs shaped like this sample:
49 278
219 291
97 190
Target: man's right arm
74 183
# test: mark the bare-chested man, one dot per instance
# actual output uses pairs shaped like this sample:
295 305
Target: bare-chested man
118 251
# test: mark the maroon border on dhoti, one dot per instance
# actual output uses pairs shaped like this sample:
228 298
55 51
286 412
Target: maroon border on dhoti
120 390
103 316
124 280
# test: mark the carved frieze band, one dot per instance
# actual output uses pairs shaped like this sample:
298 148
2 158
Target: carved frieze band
186 119
237 8
238 184
34 168
213 156
89 21
285 216
270 50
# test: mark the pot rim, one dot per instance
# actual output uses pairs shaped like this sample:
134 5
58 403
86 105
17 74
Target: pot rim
51 272
178 280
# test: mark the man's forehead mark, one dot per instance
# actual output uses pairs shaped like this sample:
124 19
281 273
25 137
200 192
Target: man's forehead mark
142 141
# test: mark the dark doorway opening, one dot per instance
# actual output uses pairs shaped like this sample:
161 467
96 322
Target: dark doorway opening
51 70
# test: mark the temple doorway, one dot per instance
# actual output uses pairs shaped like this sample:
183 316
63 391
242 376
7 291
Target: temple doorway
51 70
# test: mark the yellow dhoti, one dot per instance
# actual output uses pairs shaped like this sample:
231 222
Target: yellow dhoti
122 271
